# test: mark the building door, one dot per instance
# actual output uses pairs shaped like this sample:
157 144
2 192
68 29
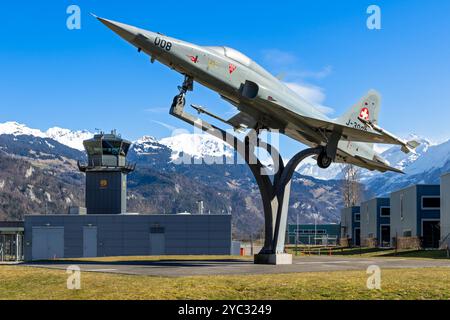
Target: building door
357 240
385 236
431 233
89 242
157 244
47 243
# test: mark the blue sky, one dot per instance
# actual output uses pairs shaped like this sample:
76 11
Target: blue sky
90 78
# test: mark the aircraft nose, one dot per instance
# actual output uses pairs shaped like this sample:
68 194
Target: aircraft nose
126 31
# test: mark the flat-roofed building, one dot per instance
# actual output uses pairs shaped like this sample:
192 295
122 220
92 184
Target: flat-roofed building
314 234
350 226
76 236
375 223
415 217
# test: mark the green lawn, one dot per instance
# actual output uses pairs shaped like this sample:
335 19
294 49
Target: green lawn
17 282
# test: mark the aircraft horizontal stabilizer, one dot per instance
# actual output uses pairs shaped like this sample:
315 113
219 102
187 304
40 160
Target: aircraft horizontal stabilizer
410 146
371 165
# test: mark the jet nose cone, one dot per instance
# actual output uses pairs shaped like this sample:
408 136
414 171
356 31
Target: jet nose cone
127 32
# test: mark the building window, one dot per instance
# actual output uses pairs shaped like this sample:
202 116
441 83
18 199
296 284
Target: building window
431 202
357 217
385 211
407 233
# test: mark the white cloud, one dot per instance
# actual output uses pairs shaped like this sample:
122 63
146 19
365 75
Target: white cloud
325 72
279 57
288 63
312 94
165 125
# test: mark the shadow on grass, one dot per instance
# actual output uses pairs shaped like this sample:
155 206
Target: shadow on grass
379 252
155 263
429 254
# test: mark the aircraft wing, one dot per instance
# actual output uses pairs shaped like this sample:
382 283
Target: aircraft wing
375 165
356 133
359 124
351 131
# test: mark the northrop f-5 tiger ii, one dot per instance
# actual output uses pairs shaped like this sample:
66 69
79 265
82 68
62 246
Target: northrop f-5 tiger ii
265 102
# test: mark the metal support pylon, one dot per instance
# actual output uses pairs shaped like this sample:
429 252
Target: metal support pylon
275 192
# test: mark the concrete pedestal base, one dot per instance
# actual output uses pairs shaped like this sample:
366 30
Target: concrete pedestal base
275 259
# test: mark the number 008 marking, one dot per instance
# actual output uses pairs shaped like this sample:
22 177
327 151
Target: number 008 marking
166 45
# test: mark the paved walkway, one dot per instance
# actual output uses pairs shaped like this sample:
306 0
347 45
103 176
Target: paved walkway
177 268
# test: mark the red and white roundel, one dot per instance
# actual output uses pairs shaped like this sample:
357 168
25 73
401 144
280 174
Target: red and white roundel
364 114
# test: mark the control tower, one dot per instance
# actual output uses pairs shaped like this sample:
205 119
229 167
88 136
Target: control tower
106 173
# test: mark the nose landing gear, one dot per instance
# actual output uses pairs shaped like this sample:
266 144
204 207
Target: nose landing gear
179 101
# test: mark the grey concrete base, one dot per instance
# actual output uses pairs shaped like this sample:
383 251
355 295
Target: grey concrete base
275 259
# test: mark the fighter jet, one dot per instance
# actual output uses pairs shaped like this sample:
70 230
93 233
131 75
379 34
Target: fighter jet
265 102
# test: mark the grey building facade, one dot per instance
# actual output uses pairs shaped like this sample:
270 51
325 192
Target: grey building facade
76 236
375 223
350 226
415 217
445 210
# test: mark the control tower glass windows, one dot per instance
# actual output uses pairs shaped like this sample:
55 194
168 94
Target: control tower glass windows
111 148
93 148
125 148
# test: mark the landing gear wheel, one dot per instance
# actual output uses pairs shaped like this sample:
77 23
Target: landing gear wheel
178 103
179 100
323 161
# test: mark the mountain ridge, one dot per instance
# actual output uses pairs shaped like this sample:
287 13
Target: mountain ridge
164 182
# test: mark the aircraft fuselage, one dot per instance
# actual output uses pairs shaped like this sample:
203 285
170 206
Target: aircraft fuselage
242 82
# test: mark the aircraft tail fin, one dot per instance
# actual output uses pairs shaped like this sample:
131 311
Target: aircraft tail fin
367 108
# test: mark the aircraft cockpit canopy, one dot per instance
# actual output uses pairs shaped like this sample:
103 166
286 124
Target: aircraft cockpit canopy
242 59
233 54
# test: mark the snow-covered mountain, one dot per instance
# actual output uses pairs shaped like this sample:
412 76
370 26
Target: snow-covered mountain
72 139
309 168
434 157
428 156
160 183
403 161
17 129
37 169
195 145
198 146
